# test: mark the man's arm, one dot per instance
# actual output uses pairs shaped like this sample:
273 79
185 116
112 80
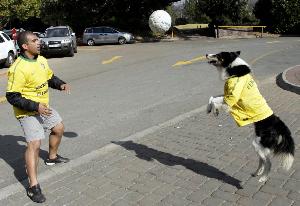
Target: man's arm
16 99
56 83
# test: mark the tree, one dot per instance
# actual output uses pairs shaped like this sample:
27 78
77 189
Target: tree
127 14
221 12
225 12
286 16
193 14
18 9
281 16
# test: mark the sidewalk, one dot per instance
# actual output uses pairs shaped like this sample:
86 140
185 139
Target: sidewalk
193 160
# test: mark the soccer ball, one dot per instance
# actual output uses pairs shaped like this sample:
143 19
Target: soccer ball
160 22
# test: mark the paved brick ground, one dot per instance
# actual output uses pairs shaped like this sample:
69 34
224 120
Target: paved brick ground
199 161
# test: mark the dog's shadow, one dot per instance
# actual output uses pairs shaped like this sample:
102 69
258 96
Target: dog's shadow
146 153
12 150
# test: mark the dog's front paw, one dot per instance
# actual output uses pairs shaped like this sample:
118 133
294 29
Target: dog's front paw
258 172
209 105
216 112
263 179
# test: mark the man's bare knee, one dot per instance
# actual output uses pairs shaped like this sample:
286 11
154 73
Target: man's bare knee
58 129
35 144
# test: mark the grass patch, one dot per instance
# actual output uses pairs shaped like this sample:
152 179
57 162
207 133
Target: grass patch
191 26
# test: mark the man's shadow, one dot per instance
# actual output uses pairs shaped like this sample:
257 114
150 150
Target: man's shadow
12 151
146 153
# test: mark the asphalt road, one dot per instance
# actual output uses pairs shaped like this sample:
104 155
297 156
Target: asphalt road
119 90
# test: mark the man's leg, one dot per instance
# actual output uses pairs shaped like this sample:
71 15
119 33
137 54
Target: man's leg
54 123
31 160
32 128
55 139
34 191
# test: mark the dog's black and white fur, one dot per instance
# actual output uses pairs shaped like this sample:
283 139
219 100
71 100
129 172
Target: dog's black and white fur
271 133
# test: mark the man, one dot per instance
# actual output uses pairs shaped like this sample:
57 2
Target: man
27 90
14 35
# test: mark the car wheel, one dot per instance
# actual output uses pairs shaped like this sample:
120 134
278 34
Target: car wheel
90 42
71 52
122 40
75 49
10 59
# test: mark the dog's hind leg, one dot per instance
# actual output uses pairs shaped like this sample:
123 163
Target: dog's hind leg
260 168
264 166
267 166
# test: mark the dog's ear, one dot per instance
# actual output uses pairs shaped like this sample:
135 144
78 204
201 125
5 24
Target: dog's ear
238 53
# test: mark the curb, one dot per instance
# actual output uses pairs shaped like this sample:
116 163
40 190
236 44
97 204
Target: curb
283 82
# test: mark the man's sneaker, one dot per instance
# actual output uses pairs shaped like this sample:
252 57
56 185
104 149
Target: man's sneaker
58 159
35 194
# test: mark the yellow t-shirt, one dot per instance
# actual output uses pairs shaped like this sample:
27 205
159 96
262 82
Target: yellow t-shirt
30 78
246 103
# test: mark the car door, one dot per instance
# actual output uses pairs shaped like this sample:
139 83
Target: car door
111 35
3 53
98 35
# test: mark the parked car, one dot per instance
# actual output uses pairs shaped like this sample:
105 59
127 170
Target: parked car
8 51
39 34
104 34
59 40
9 31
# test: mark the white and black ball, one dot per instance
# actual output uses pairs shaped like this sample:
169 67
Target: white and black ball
160 22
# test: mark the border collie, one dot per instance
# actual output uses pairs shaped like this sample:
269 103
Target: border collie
245 103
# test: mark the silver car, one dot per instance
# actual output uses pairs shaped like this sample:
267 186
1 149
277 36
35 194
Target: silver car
59 40
104 34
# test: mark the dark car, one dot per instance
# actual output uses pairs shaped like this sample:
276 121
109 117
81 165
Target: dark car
59 40
104 34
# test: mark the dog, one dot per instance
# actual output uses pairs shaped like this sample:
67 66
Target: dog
245 103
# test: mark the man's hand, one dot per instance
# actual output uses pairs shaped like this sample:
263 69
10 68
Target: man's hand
66 88
44 110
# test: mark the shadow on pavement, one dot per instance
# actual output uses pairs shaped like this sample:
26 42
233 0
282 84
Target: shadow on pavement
149 154
70 134
12 150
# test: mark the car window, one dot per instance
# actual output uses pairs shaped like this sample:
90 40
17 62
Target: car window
89 30
1 39
58 32
6 36
98 30
109 30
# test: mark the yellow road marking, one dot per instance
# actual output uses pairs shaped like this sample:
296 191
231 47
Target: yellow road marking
109 61
2 99
272 42
181 63
262 56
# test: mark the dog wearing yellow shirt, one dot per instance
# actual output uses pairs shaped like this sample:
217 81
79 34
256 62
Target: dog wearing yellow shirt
244 102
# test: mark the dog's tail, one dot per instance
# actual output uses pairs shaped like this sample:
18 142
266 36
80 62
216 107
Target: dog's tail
285 147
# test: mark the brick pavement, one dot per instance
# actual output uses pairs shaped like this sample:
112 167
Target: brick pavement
198 161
